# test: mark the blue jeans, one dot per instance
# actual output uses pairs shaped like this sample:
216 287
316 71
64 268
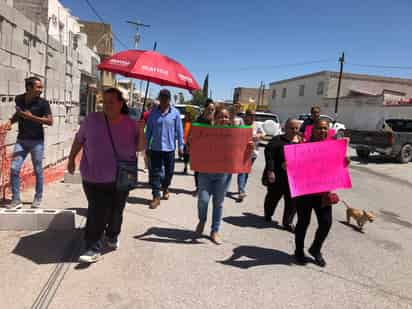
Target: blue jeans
211 185
21 150
242 180
160 160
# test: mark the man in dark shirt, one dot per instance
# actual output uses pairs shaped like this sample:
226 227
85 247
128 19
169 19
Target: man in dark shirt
32 112
276 177
314 115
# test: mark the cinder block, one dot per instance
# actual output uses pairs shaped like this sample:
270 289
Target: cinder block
36 219
55 219
17 220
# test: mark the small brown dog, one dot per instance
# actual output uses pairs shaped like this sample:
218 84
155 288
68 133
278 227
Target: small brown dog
360 216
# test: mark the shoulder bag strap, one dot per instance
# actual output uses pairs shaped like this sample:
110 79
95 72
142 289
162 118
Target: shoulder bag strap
111 137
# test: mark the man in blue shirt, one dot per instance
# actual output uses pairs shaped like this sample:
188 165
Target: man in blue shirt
164 127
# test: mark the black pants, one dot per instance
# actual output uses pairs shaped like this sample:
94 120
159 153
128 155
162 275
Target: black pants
105 213
186 156
197 180
275 192
304 206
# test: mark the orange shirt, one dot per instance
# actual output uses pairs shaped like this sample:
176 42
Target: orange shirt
186 131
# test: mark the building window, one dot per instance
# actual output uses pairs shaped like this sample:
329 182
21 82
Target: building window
301 90
321 86
284 92
273 94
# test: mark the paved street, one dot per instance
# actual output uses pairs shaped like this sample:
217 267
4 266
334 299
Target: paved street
158 266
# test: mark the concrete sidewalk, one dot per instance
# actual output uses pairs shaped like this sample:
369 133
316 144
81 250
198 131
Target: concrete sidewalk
159 266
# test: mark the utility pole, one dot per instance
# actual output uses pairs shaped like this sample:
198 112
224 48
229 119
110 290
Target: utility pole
341 60
137 38
258 96
263 93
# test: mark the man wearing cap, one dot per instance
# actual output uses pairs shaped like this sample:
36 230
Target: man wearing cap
164 128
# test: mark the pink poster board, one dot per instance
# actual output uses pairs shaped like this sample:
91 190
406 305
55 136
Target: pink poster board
317 167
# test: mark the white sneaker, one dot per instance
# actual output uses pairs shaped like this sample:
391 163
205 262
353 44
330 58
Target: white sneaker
90 256
36 203
15 204
113 243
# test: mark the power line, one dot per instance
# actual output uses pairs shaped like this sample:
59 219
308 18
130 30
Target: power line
377 66
270 67
102 20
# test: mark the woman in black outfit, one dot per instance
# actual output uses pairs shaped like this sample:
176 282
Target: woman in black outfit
275 176
306 203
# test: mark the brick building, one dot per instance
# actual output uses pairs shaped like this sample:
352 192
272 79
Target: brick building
257 98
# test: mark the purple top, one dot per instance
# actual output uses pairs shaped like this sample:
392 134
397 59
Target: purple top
98 164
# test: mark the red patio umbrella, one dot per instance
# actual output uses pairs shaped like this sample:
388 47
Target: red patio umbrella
150 66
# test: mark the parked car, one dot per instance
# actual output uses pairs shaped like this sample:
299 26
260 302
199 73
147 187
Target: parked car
184 107
269 123
393 138
337 126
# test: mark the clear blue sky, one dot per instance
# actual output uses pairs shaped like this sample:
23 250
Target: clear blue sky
241 43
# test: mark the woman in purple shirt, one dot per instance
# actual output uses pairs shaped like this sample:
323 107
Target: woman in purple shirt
98 169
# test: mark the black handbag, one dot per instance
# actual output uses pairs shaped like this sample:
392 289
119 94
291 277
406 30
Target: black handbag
126 175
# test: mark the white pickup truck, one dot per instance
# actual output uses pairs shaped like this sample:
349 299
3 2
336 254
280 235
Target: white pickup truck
269 123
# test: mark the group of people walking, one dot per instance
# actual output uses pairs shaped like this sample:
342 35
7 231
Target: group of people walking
109 138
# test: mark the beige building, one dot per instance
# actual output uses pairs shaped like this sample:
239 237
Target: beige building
100 39
258 98
296 95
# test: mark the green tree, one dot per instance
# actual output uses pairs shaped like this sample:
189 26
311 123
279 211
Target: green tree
198 98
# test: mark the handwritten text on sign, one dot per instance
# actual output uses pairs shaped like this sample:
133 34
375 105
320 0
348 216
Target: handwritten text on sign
220 149
317 167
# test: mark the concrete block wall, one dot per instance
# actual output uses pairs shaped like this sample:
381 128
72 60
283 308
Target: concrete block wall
19 60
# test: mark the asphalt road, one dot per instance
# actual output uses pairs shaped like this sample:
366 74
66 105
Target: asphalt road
159 266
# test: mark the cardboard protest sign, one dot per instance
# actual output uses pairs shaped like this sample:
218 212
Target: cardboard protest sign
308 133
220 149
317 167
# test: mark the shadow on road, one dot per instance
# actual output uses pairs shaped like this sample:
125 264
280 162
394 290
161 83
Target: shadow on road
233 196
251 220
356 228
181 191
48 247
169 235
79 211
138 200
394 218
257 256
183 174
143 185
